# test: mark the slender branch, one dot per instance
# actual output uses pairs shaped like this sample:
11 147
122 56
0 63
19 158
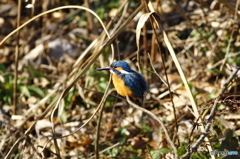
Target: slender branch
84 69
163 62
194 146
106 94
158 120
16 60
107 149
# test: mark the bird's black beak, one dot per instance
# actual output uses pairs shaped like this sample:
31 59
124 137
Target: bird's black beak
104 68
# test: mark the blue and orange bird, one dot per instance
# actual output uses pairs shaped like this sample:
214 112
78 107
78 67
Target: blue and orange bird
126 81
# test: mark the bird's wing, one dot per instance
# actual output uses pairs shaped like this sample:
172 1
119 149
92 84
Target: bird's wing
136 83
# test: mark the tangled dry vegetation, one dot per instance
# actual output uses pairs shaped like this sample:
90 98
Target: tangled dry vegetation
54 105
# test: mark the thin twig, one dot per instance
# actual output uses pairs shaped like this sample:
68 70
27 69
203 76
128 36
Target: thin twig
154 70
16 60
185 82
50 11
30 128
86 67
210 118
107 149
231 38
152 20
158 120
100 117
90 18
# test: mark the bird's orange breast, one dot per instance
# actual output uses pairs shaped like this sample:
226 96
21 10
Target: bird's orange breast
120 86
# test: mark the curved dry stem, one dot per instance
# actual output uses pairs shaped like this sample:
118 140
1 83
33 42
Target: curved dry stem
100 106
50 11
106 94
210 118
15 101
68 88
158 120
83 70
181 73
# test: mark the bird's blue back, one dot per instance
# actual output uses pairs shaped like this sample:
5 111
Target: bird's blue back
136 83
133 80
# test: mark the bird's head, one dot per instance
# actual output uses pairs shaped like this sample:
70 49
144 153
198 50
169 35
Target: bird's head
119 67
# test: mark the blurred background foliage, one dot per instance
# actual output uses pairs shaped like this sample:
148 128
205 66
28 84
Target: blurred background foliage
203 33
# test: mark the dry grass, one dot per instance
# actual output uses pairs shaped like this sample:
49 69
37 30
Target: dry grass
59 107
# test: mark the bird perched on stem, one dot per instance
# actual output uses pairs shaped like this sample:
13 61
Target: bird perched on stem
126 81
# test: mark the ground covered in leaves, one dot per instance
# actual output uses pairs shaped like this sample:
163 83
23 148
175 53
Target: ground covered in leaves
53 104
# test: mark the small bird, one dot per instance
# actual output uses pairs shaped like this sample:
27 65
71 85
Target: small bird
126 81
